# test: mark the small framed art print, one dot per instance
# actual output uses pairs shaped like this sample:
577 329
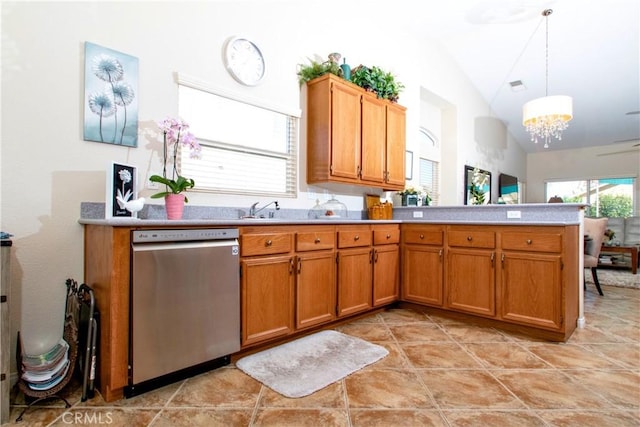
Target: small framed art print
121 188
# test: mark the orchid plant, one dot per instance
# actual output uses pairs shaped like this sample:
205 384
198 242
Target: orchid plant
175 132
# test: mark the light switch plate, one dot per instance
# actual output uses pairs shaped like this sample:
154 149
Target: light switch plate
417 214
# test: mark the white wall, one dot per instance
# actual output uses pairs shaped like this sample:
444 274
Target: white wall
611 161
47 169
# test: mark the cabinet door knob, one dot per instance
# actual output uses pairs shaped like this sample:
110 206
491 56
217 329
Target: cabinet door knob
469 238
529 241
356 238
388 236
268 243
422 236
317 240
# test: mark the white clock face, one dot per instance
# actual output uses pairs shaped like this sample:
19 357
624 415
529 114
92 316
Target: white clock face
244 61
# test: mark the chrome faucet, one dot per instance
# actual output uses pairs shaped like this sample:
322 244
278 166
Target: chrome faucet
253 211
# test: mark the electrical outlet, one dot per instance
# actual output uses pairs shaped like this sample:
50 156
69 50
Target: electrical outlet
417 214
513 214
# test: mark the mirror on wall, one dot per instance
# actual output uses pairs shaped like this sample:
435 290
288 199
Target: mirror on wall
508 186
477 184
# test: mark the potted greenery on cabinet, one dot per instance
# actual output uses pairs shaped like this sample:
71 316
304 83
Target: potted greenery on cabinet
372 79
376 80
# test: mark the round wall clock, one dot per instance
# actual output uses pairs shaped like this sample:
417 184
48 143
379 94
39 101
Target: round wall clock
244 61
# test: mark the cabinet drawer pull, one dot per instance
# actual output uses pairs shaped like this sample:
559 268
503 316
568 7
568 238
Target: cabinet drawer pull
388 236
268 243
469 238
317 240
422 236
356 238
529 241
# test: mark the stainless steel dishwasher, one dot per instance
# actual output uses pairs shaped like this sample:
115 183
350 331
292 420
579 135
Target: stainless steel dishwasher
185 304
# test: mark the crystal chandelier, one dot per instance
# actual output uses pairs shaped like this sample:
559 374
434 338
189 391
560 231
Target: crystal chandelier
548 116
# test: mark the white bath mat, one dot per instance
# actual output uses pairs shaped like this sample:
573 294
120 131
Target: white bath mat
301 367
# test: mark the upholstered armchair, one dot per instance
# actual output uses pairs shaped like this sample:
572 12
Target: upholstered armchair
594 229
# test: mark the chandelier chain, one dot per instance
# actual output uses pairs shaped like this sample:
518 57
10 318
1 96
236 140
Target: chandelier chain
546 118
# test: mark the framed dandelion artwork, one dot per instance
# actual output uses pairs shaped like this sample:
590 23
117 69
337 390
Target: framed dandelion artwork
110 96
121 190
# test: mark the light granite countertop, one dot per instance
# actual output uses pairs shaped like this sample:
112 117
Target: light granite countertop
204 216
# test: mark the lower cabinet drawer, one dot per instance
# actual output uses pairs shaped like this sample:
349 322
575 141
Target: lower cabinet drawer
386 236
313 241
536 242
472 239
423 236
352 238
265 244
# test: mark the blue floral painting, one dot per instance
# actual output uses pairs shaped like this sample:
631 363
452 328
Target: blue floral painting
110 96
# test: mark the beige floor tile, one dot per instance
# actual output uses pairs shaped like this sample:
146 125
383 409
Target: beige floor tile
587 418
475 333
626 355
188 417
396 417
301 417
506 356
468 389
379 332
569 356
150 399
220 388
399 315
386 389
331 396
592 334
493 419
622 388
418 332
549 389
395 358
438 355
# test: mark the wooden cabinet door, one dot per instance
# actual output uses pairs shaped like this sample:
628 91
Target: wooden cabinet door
471 281
531 289
267 298
422 274
373 149
345 131
354 280
315 288
386 277
395 146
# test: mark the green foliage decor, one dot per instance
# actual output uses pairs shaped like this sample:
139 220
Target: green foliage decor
316 69
372 79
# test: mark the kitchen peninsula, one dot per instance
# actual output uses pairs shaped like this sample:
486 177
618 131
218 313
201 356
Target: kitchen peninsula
511 266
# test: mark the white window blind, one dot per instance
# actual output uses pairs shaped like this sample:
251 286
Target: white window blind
429 170
246 149
429 178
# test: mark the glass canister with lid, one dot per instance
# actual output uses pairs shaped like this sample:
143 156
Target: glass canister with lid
331 209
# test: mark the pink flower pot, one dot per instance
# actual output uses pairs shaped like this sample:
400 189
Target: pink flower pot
174 204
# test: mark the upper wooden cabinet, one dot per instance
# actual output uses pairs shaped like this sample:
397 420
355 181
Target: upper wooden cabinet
352 136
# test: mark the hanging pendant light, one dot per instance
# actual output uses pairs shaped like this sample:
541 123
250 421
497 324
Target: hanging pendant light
548 116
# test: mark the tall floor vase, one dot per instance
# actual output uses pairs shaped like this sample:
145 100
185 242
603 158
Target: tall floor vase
174 205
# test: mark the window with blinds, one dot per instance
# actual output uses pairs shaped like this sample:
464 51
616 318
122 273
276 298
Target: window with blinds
429 170
246 149
429 178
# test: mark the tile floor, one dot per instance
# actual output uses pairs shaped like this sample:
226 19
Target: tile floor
439 372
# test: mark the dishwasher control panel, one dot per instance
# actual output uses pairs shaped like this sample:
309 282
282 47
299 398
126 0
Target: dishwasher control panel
170 235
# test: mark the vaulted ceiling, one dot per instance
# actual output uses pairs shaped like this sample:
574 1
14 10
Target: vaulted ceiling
593 56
